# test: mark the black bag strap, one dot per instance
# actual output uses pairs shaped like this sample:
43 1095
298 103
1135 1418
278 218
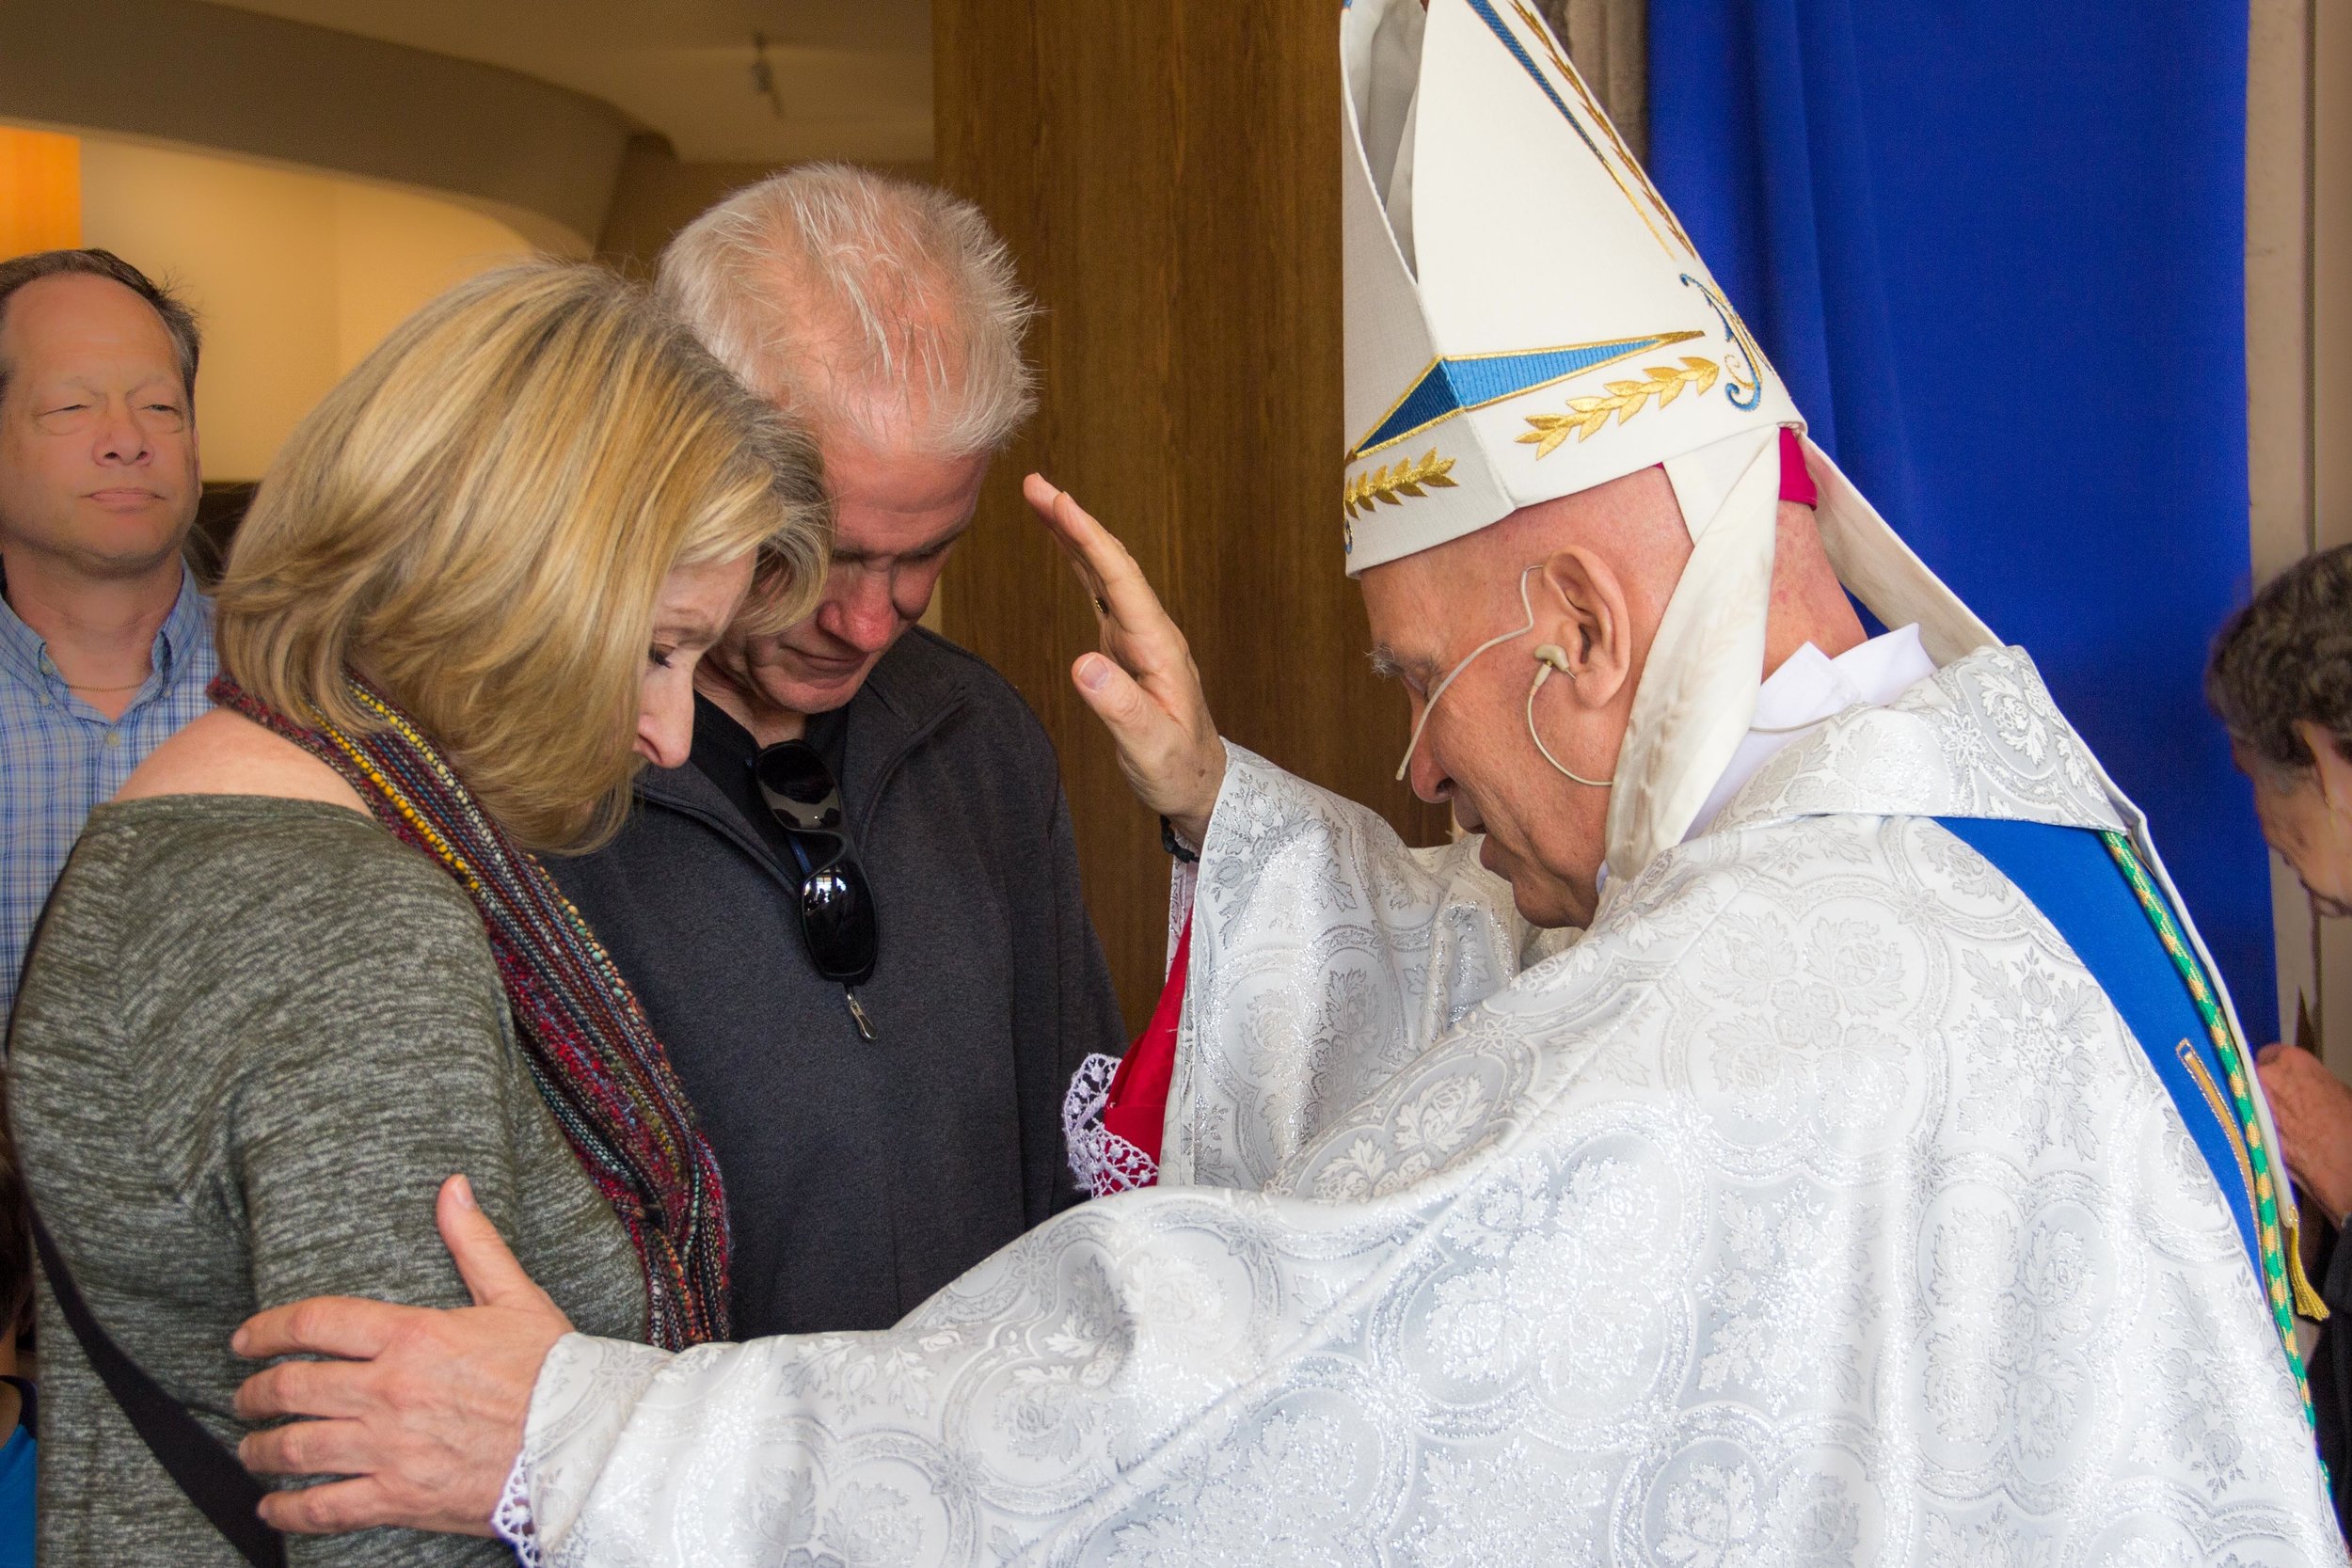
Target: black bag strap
222 1489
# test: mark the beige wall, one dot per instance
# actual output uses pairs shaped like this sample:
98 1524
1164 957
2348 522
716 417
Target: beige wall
394 251
192 74
655 194
2327 171
294 276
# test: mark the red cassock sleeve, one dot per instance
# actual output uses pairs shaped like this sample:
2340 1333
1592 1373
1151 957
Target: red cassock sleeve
1138 1092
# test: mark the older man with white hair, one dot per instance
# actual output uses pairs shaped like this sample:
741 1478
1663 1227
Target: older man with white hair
875 1015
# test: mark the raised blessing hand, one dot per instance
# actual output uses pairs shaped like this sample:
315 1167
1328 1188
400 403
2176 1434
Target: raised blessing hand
1143 685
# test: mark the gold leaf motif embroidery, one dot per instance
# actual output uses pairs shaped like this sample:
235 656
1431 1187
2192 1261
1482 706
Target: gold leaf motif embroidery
1405 477
1626 399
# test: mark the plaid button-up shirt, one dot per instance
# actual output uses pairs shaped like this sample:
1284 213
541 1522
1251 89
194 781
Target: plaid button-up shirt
59 756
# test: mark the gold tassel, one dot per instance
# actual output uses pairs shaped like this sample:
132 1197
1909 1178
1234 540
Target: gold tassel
2307 1302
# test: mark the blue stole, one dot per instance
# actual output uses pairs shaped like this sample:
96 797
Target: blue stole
2068 874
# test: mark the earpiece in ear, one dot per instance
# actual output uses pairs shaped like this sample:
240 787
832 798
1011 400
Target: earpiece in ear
1549 657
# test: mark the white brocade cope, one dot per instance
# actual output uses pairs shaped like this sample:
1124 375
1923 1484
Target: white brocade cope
1813 1208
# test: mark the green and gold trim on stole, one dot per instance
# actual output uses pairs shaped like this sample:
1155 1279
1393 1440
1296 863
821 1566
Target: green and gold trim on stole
2287 1293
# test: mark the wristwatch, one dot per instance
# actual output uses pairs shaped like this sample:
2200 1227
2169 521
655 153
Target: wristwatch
1174 846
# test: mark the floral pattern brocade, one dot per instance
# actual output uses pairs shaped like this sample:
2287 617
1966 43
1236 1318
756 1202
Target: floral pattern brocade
1812 1208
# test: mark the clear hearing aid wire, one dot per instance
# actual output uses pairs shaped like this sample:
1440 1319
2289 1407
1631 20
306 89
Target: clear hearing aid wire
1544 667
1542 673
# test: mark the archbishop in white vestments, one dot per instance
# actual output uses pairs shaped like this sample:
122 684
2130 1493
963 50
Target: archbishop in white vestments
1875 1179
1814 1208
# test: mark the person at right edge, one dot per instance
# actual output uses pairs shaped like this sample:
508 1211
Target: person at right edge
2281 680
1879 1177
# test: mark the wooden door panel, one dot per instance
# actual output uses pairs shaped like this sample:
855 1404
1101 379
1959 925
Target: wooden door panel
1168 177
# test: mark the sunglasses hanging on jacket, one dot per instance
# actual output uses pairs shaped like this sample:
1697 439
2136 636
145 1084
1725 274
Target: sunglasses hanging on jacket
837 903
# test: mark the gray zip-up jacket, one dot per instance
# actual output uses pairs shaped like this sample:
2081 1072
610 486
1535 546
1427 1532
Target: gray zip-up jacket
861 1177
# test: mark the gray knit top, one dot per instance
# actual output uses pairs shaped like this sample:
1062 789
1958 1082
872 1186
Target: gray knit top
255 1037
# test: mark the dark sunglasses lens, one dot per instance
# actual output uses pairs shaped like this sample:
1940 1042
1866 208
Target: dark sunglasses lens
836 906
837 922
798 786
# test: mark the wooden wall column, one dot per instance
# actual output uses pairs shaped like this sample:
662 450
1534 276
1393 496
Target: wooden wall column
1168 178
2299 380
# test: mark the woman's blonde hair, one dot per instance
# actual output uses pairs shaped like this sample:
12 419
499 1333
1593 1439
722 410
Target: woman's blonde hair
479 519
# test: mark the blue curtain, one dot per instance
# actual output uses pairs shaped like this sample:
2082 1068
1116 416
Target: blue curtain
1996 249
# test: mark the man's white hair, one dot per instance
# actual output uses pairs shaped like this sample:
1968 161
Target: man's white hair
865 306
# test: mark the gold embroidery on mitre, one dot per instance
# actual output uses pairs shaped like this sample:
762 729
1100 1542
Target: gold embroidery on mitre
1568 73
1746 359
1625 399
1392 482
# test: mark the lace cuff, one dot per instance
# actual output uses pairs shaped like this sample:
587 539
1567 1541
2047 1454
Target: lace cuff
1104 1162
511 1520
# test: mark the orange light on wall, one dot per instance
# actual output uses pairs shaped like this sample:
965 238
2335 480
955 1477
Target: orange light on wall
40 191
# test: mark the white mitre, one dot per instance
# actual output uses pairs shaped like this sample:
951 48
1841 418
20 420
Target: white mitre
1526 319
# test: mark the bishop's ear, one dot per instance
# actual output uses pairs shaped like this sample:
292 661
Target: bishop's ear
1580 606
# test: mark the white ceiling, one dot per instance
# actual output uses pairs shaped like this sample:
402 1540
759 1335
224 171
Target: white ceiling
854 75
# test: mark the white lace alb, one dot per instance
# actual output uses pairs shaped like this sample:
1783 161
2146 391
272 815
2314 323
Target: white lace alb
511 1520
1104 1162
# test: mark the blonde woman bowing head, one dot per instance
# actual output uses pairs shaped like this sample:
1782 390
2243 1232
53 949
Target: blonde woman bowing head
307 964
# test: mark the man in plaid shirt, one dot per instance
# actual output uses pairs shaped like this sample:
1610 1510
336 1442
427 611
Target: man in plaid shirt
106 644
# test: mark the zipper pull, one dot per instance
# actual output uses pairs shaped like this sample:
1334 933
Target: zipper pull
857 1014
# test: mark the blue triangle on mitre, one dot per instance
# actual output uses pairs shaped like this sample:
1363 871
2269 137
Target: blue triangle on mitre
1449 386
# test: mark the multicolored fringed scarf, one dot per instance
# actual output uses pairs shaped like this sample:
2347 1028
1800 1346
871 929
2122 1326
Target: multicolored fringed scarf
596 1060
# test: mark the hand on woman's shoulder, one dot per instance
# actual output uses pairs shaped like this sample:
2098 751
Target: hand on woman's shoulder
227 753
